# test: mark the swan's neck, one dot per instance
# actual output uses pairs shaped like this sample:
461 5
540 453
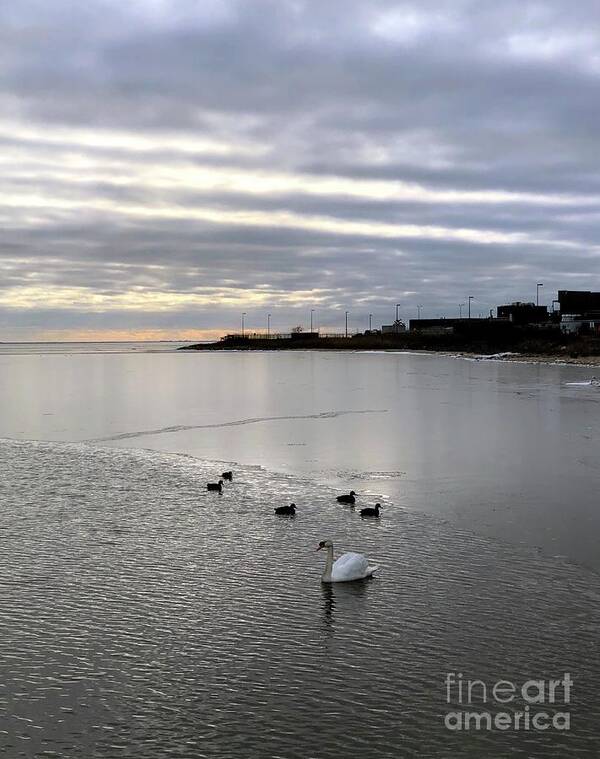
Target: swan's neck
326 576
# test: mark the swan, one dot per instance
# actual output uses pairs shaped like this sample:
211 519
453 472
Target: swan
350 566
369 512
218 486
347 498
290 510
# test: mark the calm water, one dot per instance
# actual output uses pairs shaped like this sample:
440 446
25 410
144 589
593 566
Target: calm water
509 450
142 616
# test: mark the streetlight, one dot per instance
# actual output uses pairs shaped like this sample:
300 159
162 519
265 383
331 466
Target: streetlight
537 293
370 321
268 325
243 314
312 310
397 307
419 311
347 312
470 299
460 308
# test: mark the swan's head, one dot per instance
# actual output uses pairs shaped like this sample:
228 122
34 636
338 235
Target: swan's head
352 492
293 506
325 544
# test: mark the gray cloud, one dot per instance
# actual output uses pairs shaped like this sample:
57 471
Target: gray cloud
166 165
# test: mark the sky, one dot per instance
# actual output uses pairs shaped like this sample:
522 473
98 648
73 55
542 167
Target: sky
166 166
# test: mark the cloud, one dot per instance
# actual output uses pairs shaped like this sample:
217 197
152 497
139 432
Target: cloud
166 165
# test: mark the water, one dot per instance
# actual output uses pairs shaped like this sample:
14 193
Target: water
508 450
142 616
66 349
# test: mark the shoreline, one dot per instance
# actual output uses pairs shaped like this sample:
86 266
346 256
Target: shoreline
557 357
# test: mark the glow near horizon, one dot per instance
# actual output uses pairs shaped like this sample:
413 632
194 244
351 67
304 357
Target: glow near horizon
20 164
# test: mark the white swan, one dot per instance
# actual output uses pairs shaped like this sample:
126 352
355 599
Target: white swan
350 566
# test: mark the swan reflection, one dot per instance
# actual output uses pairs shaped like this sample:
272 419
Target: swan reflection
342 598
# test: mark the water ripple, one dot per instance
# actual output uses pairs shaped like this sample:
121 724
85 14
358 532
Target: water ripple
143 616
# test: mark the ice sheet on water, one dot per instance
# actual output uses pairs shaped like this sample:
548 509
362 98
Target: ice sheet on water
233 423
585 383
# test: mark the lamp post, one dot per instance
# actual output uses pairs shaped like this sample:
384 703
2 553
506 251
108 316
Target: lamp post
460 308
268 325
347 312
419 311
312 310
470 299
243 314
370 321
397 307
537 293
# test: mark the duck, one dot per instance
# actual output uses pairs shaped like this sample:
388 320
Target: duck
228 476
347 498
349 567
218 486
289 510
371 512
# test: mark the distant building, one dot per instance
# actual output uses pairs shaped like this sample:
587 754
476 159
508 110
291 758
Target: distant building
480 327
572 324
523 313
579 311
397 327
578 301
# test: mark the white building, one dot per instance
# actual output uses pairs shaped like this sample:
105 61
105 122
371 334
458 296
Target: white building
573 323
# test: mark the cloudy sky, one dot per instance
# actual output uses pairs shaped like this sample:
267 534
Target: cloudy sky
166 165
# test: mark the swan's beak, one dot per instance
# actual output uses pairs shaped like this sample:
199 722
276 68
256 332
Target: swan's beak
319 548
